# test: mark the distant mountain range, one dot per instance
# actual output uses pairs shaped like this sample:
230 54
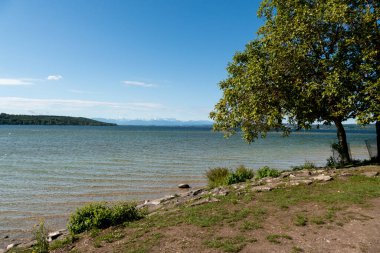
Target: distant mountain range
156 122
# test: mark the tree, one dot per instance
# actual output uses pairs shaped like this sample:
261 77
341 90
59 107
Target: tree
305 66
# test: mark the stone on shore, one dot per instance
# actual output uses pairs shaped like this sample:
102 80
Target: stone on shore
261 188
183 186
54 235
322 177
370 173
11 246
205 201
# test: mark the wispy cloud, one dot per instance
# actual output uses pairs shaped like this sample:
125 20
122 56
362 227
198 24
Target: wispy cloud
15 81
82 92
139 84
54 77
88 108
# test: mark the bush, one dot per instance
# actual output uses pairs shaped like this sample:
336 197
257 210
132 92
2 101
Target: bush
241 174
217 176
267 172
40 234
99 215
222 176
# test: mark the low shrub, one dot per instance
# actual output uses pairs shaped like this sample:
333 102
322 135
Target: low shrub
267 172
241 174
223 176
100 215
217 176
40 234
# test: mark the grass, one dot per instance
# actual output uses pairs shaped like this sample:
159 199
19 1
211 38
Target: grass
306 166
60 243
275 238
355 190
226 244
242 213
300 220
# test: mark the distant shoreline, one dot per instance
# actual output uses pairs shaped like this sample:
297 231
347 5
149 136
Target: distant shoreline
50 120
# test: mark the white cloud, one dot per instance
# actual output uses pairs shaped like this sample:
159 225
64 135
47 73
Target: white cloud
139 84
15 81
54 77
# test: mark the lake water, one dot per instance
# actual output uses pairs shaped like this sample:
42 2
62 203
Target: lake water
48 171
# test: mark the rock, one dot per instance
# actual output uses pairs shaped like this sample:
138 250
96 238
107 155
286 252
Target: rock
205 201
11 246
370 173
298 182
346 174
261 188
6 237
2 250
291 176
183 186
220 192
159 201
304 173
197 192
54 235
322 177
285 174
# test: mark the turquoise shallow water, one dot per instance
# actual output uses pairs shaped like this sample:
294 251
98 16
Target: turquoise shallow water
48 171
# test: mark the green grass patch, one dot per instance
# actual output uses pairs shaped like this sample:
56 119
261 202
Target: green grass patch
300 220
306 166
100 216
275 238
60 243
355 190
267 172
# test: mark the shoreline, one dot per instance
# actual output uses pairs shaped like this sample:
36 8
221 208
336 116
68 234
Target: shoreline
294 178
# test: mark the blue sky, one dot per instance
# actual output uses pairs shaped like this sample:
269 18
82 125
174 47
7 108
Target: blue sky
132 59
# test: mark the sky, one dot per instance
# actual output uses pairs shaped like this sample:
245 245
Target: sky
119 59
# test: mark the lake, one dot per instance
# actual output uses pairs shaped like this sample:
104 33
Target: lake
48 171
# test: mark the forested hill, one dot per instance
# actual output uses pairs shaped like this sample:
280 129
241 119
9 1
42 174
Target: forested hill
8 119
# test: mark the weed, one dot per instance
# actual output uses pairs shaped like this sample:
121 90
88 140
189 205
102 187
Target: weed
318 220
40 235
251 225
300 220
267 172
241 174
217 176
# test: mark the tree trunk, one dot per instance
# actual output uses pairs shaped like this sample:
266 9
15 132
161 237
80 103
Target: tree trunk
341 134
378 140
